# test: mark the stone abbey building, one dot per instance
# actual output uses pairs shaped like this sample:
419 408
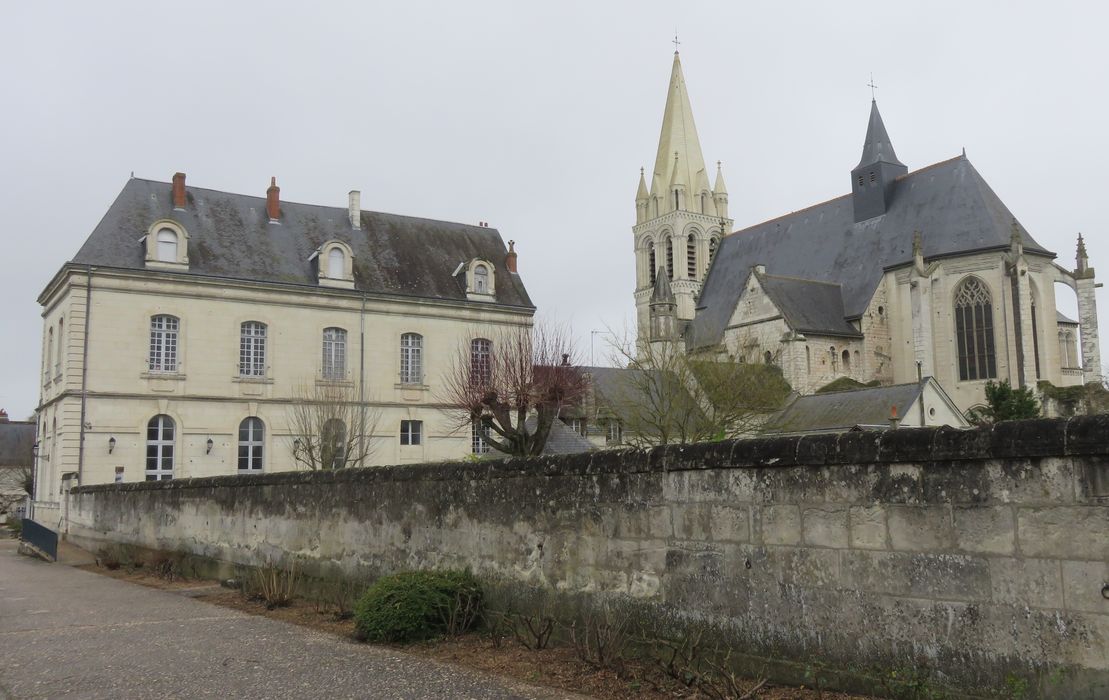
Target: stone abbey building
923 271
176 339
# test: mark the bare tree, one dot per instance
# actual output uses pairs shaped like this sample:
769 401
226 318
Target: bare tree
499 383
668 396
331 426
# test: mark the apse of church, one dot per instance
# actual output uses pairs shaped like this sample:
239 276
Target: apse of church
911 273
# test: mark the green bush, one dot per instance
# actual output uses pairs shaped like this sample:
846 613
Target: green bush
416 605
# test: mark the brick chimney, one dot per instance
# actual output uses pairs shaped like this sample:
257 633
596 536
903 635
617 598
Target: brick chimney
354 209
179 190
273 200
510 259
3 415
894 420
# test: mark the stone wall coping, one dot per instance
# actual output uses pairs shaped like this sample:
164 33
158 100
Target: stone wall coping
1044 437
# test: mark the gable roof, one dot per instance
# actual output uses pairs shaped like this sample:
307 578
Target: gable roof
808 306
843 410
949 202
562 440
230 236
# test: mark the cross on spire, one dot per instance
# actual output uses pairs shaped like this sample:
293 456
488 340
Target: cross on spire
676 42
872 86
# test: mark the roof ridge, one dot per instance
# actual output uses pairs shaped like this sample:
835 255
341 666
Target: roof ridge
842 196
800 279
317 206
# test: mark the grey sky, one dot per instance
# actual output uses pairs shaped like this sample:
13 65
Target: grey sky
534 117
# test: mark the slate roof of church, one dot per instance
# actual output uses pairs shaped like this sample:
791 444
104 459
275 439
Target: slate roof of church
229 236
843 410
949 202
1060 318
809 306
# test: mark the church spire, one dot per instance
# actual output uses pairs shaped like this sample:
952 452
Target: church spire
877 147
874 178
678 145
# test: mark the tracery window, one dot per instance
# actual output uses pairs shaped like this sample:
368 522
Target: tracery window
974 337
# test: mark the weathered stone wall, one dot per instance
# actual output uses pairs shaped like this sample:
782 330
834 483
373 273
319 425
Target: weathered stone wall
982 556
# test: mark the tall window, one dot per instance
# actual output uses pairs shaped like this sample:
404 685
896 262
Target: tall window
411 432
333 444
481 279
691 257
479 434
846 361
1035 339
159 448
167 245
251 434
974 330
334 353
411 358
669 258
49 353
335 264
252 349
481 360
61 347
651 263
163 343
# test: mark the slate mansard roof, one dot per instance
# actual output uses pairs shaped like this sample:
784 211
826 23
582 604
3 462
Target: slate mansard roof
949 203
230 236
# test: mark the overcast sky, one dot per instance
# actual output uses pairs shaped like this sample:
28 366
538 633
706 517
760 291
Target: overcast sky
535 117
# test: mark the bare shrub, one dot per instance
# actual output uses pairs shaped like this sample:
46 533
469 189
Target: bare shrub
709 670
275 586
533 631
331 425
165 566
601 638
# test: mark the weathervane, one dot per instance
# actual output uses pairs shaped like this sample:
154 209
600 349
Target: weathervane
676 42
872 86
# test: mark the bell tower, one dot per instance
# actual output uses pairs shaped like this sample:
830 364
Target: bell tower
680 218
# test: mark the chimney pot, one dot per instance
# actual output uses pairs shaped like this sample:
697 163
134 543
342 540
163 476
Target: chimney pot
273 200
510 258
354 208
179 190
3 415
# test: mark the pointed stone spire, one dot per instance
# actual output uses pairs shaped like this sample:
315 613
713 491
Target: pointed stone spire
719 187
679 135
642 200
1081 259
641 194
662 294
877 147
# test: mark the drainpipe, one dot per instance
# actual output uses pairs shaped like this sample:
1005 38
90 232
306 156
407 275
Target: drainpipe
920 383
84 374
362 376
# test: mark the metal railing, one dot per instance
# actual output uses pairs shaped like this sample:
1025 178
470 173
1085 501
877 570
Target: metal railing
43 538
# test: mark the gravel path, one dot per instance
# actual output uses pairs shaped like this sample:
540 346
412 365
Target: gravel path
67 633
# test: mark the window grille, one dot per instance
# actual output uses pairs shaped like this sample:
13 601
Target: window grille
411 358
481 361
252 349
163 343
334 353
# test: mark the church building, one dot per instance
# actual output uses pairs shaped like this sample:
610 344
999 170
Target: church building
921 273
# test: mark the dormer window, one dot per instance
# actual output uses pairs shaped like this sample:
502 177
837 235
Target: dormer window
335 265
480 281
166 244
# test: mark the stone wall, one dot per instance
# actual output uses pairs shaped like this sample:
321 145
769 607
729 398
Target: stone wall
979 558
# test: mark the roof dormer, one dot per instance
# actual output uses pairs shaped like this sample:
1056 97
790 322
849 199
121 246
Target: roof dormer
335 265
167 246
480 280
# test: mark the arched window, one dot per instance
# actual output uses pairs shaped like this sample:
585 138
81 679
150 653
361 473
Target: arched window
336 267
163 343
846 360
481 360
768 357
252 349
652 264
159 448
167 245
713 242
333 444
411 358
61 347
251 440
669 258
974 330
808 360
1035 335
691 257
481 279
334 353
832 353
49 353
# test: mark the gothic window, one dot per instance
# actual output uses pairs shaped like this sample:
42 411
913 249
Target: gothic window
251 434
481 360
691 257
669 258
974 330
411 358
651 261
167 245
159 448
334 353
163 343
252 349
